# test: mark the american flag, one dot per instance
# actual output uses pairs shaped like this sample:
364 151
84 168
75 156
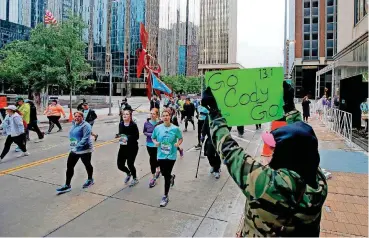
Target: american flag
49 18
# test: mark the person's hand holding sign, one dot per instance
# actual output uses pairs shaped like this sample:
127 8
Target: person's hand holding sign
208 101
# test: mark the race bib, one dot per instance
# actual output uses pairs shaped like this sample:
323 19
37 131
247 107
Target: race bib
73 144
165 148
123 139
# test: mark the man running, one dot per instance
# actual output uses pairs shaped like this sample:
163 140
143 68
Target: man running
32 126
90 116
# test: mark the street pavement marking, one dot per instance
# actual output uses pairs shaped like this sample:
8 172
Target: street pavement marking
43 161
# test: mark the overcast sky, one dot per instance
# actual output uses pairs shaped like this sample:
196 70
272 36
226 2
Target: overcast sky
260 26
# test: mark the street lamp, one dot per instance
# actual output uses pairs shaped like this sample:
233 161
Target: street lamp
110 83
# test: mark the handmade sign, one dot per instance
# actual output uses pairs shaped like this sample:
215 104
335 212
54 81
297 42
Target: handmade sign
248 96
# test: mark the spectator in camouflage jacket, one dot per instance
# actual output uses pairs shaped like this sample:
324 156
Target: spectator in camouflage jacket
285 197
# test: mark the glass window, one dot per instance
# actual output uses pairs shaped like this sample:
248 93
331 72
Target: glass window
315 19
306 28
329 19
329 52
315 27
306 36
314 36
306 52
315 44
361 9
306 12
306 44
307 4
306 20
329 35
315 4
314 52
330 10
315 11
330 2
330 26
330 43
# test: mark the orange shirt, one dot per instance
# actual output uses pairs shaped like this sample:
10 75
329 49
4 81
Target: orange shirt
56 110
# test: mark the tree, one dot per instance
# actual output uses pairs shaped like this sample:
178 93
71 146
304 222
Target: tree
183 85
53 55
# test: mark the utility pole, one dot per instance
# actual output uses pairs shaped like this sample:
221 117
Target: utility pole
285 38
186 47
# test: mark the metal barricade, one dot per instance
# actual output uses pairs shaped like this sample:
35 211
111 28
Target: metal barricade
337 121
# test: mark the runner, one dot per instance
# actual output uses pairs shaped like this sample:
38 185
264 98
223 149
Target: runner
181 103
25 111
90 116
32 126
167 137
151 148
53 113
202 112
80 147
14 129
128 134
174 121
189 113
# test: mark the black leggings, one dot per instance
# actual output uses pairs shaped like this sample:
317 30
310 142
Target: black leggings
189 119
200 123
20 141
213 157
72 161
127 154
166 167
32 126
153 158
54 120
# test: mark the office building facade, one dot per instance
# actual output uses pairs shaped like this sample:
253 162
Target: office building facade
314 34
218 34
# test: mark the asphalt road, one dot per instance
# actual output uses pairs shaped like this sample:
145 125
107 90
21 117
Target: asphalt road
29 205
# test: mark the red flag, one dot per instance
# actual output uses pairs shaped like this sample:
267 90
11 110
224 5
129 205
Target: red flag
144 36
148 86
140 62
49 18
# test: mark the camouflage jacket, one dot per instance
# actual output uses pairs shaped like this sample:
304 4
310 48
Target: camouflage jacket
278 203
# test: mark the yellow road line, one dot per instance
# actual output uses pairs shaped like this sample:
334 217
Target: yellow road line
43 161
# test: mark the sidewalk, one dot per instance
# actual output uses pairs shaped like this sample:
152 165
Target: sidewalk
345 212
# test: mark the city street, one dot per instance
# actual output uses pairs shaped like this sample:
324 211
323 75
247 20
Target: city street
29 205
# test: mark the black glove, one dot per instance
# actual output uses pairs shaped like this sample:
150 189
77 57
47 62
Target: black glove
208 101
288 97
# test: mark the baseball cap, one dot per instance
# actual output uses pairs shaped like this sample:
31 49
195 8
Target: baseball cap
11 107
268 139
19 99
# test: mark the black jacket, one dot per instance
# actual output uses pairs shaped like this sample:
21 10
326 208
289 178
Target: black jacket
154 104
131 132
91 116
189 110
33 112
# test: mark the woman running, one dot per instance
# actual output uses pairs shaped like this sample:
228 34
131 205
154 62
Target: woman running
128 134
53 113
80 147
174 121
151 148
167 137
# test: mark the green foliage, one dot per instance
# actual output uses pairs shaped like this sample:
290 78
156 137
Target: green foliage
182 84
53 55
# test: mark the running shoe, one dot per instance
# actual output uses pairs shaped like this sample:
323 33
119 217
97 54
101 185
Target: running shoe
126 180
17 149
185 130
157 174
217 175
133 182
96 137
64 189
152 183
23 154
164 201
88 183
172 180
211 170
60 130
180 152
194 128
198 146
